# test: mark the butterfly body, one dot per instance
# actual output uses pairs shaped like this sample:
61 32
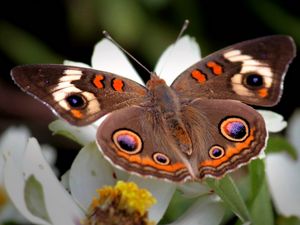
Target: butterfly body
198 126
166 104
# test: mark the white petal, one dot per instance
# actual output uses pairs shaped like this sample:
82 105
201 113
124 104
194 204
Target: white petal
79 64
274 121
193 189
177 58
284 183
56 197
89 172
293 131
14 181
206 211
49 153
108 57
121 174
98 122
14 140
65 180
161 190
82 135
283 173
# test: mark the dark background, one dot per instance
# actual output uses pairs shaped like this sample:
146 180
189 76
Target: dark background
49 31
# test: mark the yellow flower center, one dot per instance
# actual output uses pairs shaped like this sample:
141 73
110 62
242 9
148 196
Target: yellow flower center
125 203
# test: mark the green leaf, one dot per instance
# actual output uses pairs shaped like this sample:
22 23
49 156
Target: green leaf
257 177
288 220
229 193
260 202
261 209
35 199
277 143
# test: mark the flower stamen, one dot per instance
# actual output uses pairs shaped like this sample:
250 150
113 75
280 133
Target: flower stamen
125 204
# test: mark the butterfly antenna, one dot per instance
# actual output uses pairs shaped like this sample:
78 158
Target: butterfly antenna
107 35
182 30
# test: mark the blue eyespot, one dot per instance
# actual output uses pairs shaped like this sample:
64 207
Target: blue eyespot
161 158
75 100
254 80
127 141
216 152
234 129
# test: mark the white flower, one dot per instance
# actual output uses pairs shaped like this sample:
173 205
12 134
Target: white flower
14 139
274 121
34 188
283 173
8 141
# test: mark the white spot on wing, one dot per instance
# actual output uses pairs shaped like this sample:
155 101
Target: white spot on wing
264 71
62 94
232 53
72 72
65 87
238 87
239 58
61 85
70 77
249 65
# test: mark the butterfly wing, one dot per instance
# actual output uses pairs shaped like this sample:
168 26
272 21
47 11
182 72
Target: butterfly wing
226 134
136 140
223 139
79 95
251 72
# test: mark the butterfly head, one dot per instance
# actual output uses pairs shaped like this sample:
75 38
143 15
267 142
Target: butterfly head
155 81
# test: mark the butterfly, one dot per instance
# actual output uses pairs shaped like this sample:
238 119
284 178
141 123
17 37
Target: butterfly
198 126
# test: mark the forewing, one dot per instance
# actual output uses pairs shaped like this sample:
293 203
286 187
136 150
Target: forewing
251 71
79 95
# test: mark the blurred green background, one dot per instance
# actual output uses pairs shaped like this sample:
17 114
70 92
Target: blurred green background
49 31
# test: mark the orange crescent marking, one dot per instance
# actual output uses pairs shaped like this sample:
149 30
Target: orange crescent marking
216 68
76 113
263 92
98 81
146 161
118 85
200 77
230 152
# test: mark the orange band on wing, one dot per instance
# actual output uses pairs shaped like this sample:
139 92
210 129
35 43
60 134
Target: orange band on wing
118 85
263 92
97 81
216 68
76 113
230 151
199 76
146 161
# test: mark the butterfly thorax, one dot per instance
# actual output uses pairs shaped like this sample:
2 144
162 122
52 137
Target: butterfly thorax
167 105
